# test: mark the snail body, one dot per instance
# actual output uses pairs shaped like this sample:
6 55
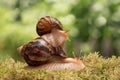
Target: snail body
46 24
60 64
56 37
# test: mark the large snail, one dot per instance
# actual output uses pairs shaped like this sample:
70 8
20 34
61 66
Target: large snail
46 51
46 24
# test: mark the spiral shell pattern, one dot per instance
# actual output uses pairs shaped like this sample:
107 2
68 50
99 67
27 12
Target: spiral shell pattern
46 24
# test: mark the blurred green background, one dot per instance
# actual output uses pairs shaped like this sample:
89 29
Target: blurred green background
94 24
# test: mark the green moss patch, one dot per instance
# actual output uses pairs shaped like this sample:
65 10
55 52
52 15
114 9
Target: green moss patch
97 68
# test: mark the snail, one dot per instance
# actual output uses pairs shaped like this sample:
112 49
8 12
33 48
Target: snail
40 50
46 51
46 24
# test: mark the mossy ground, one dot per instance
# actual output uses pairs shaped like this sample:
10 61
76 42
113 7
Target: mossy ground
97 68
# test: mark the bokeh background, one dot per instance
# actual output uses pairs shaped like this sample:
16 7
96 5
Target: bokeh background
94 25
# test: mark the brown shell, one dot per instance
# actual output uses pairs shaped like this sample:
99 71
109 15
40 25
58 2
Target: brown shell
46 24
38 52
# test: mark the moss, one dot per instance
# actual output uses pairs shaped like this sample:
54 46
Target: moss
97 68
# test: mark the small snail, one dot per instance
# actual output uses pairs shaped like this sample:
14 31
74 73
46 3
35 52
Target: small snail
46 24
40 50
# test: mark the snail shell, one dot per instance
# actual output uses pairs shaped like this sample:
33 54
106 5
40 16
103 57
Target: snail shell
38 52
46 24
